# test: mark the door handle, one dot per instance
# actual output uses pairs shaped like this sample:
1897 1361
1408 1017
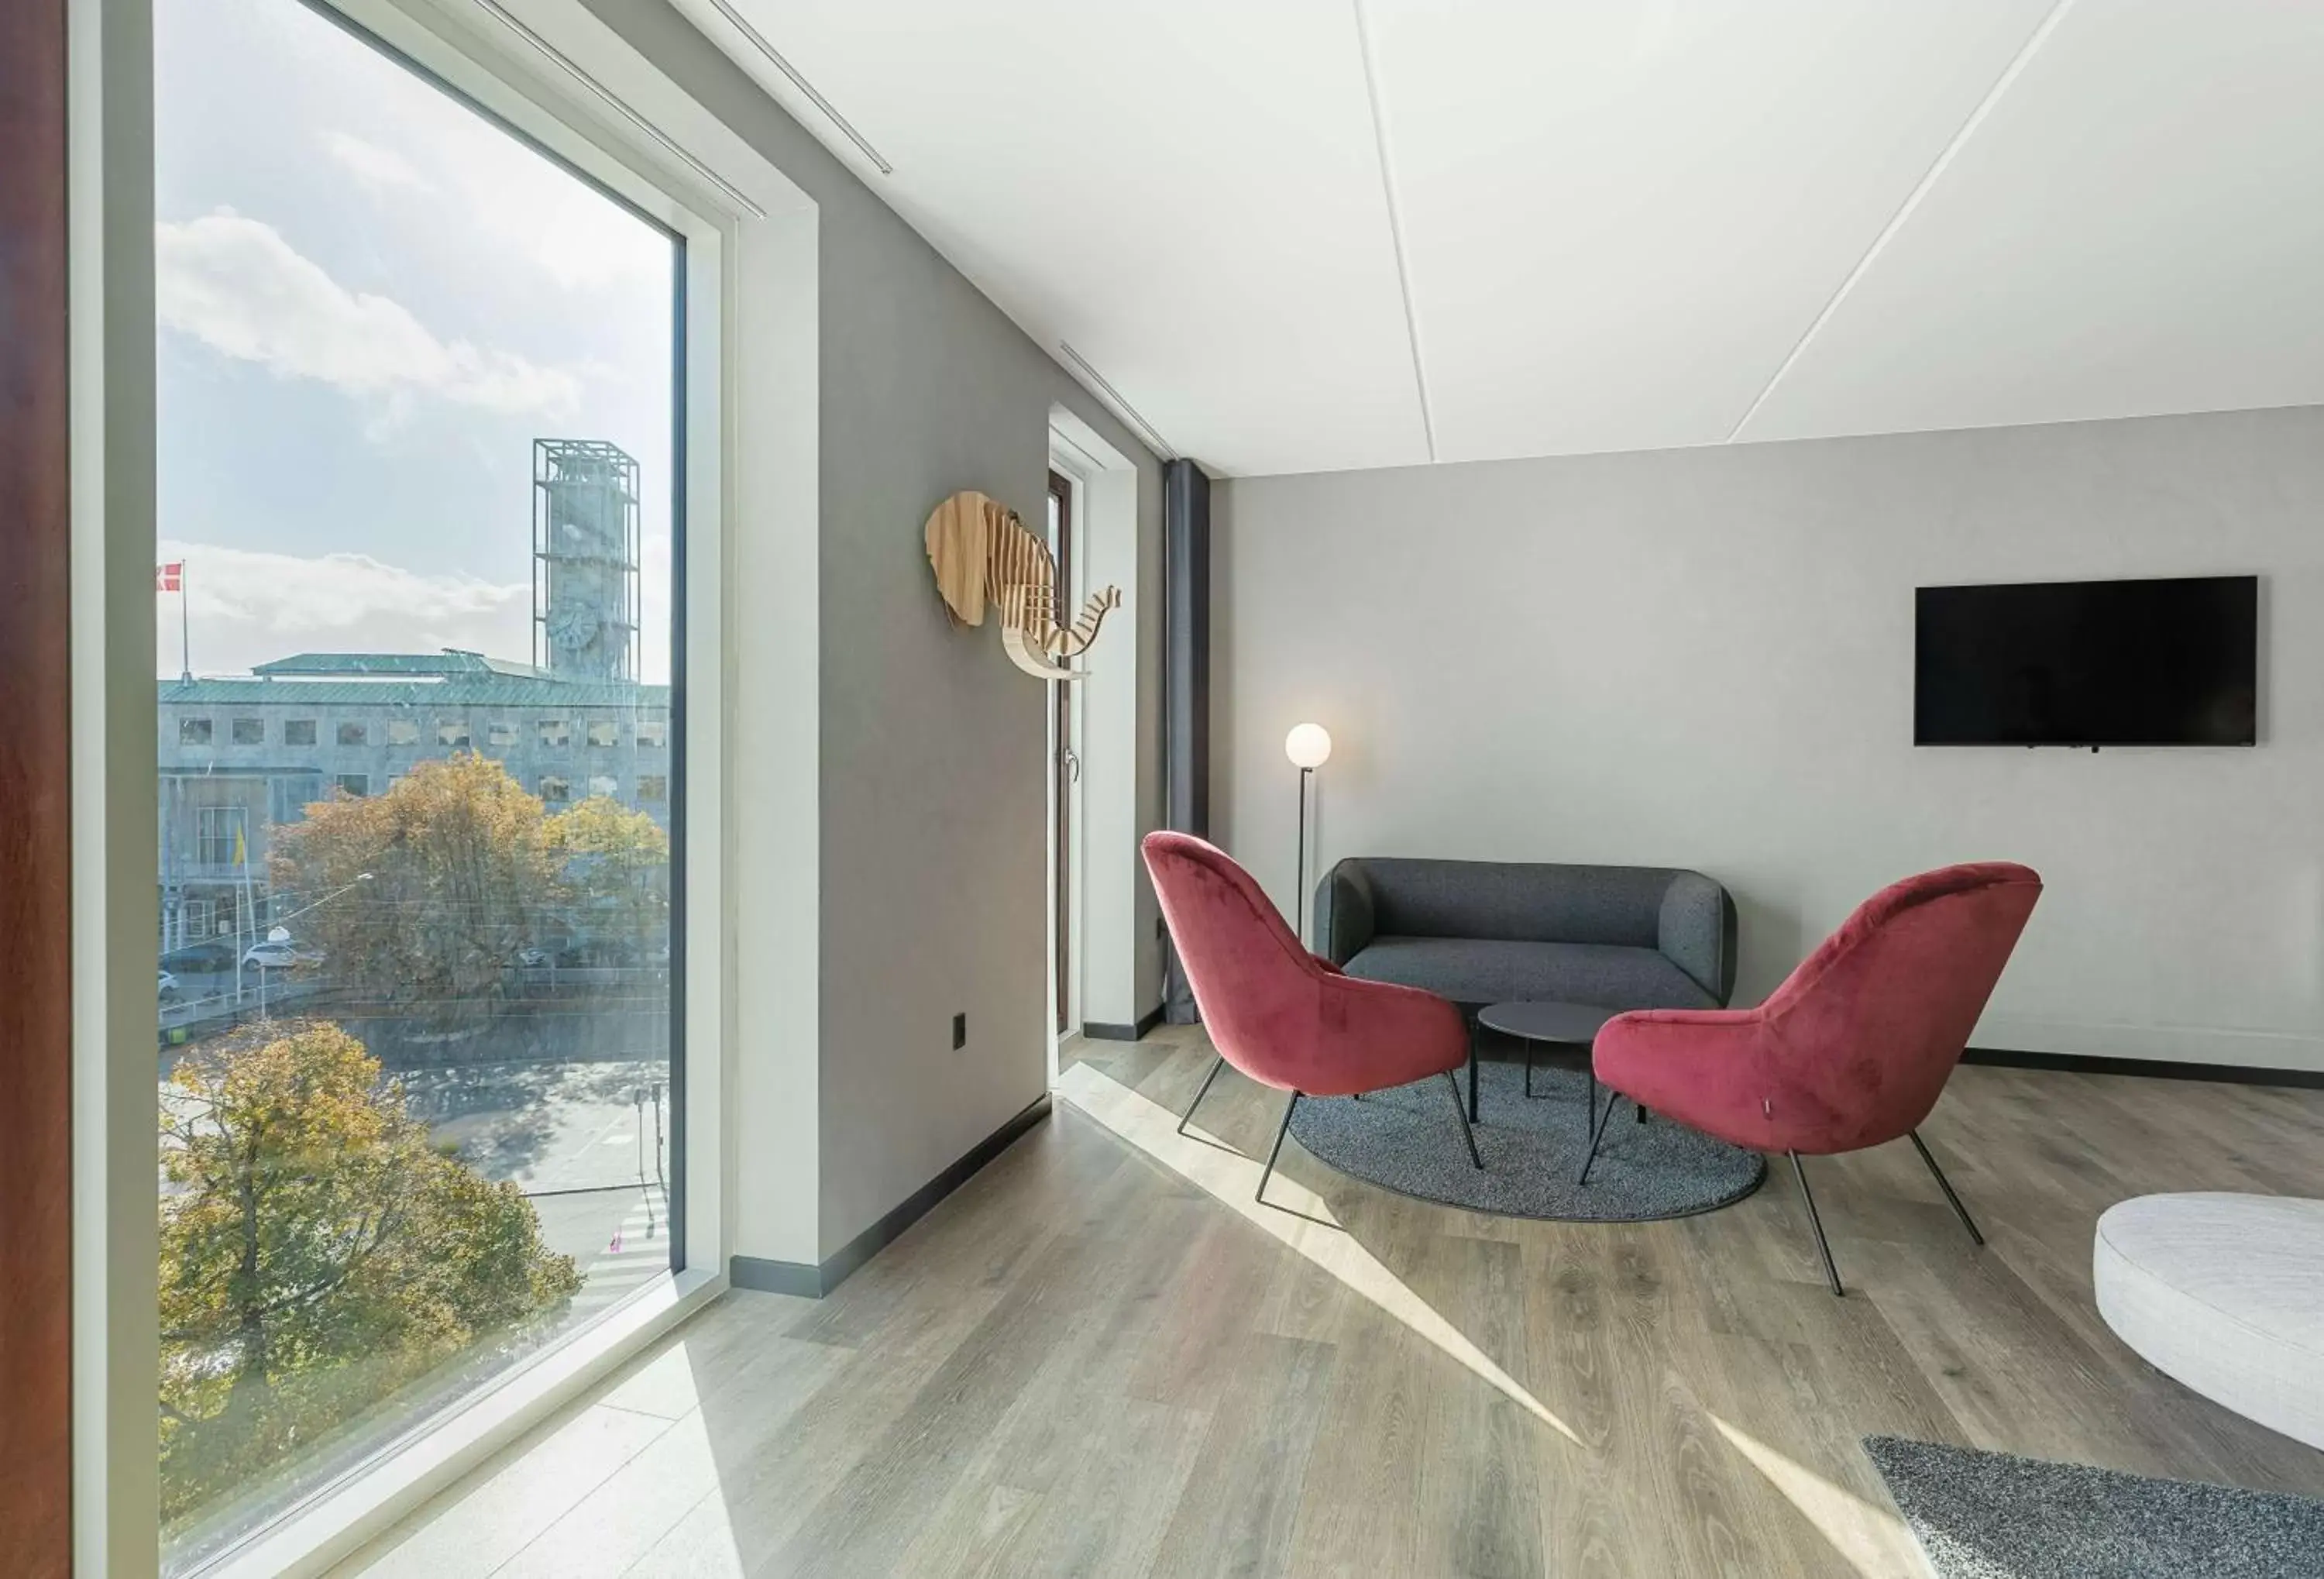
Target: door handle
1073 765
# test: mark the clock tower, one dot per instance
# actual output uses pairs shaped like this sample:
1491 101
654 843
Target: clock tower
585 560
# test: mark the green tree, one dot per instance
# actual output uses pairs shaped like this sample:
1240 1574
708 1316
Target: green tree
464 874
317 1254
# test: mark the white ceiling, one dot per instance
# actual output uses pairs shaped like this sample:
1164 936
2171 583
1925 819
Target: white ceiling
1311 235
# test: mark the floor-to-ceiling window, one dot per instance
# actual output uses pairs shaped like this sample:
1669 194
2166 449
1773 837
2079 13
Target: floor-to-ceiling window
419 752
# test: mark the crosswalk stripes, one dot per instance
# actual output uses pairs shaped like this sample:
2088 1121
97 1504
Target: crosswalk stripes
637 1252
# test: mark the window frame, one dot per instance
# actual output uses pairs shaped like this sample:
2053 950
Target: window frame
233 732
233 820
312 727
570 83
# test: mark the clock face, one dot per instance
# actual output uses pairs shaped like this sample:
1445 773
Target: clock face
570 627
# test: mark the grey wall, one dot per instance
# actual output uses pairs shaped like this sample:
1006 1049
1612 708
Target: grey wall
1704 657
934 746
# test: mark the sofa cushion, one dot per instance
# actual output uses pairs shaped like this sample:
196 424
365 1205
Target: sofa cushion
1479 970
1614 905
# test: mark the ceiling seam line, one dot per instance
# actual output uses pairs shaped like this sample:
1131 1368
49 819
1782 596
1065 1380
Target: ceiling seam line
1395 227
1102 387
743 25
1920 190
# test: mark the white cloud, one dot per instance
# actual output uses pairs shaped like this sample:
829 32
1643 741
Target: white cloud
500 187
249 607
375 166
234 284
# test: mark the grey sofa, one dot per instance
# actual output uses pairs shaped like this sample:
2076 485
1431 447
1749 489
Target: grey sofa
1482 932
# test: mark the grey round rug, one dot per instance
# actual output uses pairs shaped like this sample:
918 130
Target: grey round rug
1409 1139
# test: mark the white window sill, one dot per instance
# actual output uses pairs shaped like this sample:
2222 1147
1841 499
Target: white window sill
338 1521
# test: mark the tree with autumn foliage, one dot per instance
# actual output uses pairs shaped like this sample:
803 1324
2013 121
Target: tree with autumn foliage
615 866
318 1254
467 870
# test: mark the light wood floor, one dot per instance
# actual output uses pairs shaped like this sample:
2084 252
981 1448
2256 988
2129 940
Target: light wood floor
1098 1358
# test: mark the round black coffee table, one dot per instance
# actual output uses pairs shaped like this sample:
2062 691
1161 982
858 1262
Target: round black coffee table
1574 1025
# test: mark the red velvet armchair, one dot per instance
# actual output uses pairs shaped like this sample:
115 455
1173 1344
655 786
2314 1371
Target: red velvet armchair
1278 1014
1853 1049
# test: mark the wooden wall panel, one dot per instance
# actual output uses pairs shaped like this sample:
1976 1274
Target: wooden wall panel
35 965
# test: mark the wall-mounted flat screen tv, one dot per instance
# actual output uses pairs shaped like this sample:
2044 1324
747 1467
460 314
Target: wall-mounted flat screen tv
2089 663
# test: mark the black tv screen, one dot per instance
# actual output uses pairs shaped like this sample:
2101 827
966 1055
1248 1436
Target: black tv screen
2161 662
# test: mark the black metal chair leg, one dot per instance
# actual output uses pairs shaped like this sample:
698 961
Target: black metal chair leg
1830 1272
1259 1194
1597 1131
1528 1069
1472 1074
1461 1113
1188 1116
1952 1199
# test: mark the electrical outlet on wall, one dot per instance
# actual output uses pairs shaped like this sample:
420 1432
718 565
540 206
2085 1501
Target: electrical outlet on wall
959 1031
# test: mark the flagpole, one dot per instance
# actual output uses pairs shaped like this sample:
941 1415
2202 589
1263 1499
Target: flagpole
185 628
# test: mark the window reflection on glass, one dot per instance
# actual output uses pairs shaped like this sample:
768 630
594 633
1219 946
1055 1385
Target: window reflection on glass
415 457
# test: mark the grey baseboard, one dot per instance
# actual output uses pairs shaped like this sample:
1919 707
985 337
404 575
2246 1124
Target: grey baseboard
2152 1068
1099 1031
813 1282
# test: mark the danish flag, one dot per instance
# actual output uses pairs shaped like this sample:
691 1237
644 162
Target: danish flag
170 577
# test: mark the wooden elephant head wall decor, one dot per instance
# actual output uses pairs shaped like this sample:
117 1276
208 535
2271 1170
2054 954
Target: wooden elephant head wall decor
983 554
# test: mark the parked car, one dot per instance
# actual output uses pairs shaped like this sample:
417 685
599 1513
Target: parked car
276 955
200 958
169 987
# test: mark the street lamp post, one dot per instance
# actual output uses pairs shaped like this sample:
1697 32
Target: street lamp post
281 932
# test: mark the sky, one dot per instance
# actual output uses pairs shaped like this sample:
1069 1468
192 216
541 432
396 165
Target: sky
372 302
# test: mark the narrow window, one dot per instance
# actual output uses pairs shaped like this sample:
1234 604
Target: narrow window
653 734
653 788
430 363
250 732
220 836
604 733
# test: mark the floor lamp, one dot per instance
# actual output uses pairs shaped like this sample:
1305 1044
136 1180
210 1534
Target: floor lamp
1309 747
